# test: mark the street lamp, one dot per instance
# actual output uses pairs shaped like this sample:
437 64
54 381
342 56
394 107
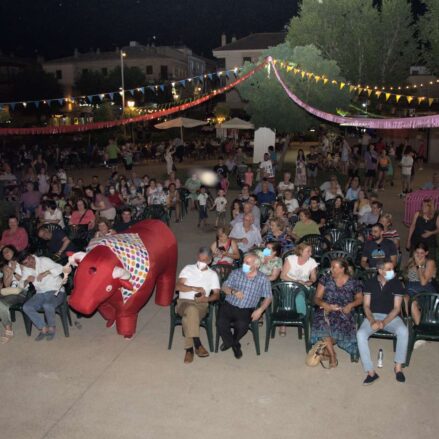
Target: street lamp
122 56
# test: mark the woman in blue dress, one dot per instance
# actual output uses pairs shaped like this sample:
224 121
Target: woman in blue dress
337 296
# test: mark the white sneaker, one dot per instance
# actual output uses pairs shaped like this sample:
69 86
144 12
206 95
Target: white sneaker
420 343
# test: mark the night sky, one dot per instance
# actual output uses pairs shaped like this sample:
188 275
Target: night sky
53 28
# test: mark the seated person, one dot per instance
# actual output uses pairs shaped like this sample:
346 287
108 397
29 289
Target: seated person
378 249
333 192
420 271
276 231
173 201
317 214
336 212
383 297
266 196
246 234
285 184
244 289
305 225
245 193
224 249
30 199
104 229
258 187
271 262
194 285
291 203
57 242
82 216
248 207
114 197
45 275
327 184
125 221
52 214
14 235
373 216
172 179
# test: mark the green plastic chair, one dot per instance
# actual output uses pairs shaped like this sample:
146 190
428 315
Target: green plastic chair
319 244
349 245
206 323
223 271
335 254
428 328
283 311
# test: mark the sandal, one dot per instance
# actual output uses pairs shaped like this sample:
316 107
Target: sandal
7 336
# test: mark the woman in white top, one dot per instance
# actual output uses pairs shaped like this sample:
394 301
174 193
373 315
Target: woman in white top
53 215
300 268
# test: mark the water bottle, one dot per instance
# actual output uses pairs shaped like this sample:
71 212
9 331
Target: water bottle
380 358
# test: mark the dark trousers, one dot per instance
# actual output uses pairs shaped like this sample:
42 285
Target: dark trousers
233 317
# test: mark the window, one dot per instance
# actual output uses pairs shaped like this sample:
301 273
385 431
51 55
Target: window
58 74
104 71
163 72
149 70
246 59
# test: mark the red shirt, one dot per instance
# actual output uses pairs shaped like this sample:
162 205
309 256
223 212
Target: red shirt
18 239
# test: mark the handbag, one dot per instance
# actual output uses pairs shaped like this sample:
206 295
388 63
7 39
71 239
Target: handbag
317 355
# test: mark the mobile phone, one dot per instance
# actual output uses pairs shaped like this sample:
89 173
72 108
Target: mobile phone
198 294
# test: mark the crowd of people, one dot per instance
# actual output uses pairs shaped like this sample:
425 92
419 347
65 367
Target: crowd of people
265 234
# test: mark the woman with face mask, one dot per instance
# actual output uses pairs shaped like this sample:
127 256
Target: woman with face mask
271 263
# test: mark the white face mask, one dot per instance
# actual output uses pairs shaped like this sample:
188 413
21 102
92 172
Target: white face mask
201 265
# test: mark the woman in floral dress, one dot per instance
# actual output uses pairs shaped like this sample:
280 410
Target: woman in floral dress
337 296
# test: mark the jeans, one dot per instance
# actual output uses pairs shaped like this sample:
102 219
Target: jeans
5 303
396 326
47 302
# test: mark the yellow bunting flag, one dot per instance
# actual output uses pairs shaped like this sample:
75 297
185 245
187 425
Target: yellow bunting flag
409 99
309 75
342 84
421 99
289 68
388 96
351 88
302 73
317 78
360 90
369 91
296 71
397 97
378 93
325 80
430 101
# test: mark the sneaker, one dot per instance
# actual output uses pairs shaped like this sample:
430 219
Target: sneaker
399 377
419 343
50 336
40 336
370 379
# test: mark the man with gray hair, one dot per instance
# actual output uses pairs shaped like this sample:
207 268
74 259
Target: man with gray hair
246 234
244 289
195 284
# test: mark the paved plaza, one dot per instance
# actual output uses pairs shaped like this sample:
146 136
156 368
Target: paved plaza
95 384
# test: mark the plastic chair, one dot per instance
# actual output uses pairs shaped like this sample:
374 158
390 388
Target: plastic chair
428 328
319 244
206 323
283 311
335 254
349 245
223 271
334 234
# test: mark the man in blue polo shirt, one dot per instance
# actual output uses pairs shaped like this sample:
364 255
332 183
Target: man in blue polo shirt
244 288
383 297
266 196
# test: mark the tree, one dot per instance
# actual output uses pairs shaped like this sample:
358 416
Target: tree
371 44
268 104
104 112
428 26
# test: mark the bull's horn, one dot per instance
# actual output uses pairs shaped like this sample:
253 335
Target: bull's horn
76 258
120 273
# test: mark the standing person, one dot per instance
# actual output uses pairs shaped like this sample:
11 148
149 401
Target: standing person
336 297
249 176
45 275
169 159
383 297
312 165
193 185
220 204
43 182
195 284
383 169
406 171
345 156
365 141
371 162
273 157
424 228
112 151
392 157
266 167
202 206
300 178
244 289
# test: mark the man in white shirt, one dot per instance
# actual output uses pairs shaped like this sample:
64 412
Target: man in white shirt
246 234
286 184
266 167
45 275
195 283
249 207
406 171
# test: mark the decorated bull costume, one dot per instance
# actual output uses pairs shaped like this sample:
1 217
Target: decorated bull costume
117 274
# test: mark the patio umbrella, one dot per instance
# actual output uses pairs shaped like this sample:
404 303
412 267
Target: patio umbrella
237 124
180 122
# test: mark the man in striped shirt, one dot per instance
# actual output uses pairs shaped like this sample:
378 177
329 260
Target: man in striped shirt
244 289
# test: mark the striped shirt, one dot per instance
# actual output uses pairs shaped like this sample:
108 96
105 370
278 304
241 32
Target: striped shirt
253 289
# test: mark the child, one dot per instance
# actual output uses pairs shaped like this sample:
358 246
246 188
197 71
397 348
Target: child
224 183
202 206
219 205
248 176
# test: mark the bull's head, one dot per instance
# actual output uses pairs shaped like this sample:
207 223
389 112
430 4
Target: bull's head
98 277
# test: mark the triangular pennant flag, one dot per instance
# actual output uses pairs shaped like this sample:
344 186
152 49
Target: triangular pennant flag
182 83
325 80
360 90
131 91
13 104
309 75
342 84
162 87
60 101
421 99
397 97
101 97
409 99
90 98
111 95
388 96
289 68
296 71
369 91
142 90
317 78
430 101
37 104
210 76
151 87
378 93
201 78
351 88
228 73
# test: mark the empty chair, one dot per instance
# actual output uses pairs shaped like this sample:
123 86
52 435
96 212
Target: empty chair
319 244
335 254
